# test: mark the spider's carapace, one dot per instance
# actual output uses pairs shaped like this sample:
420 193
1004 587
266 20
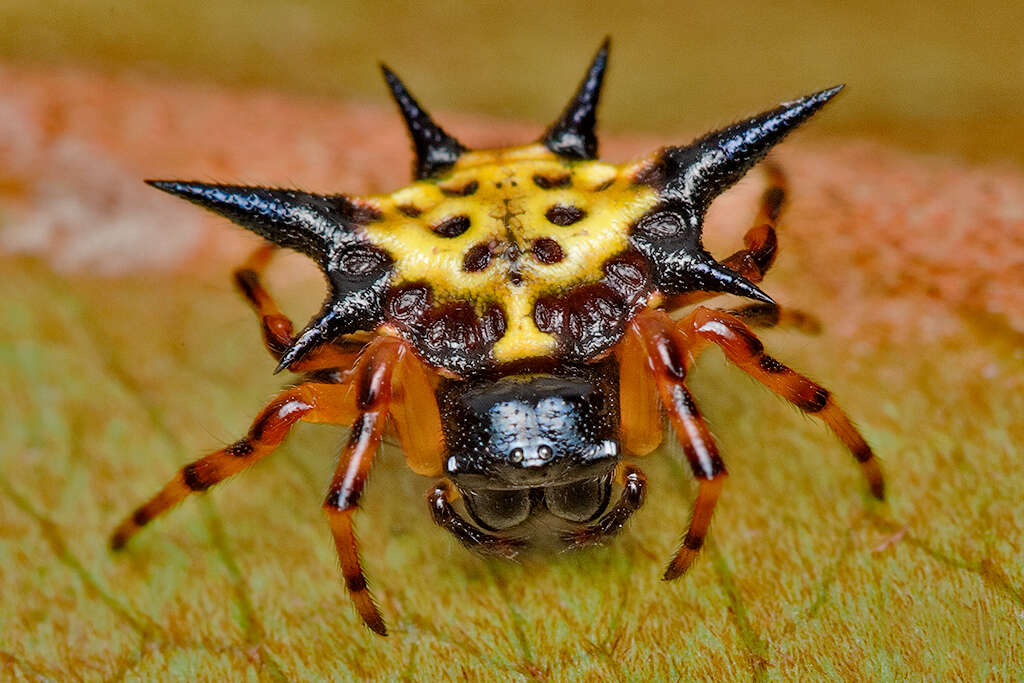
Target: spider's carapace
508 314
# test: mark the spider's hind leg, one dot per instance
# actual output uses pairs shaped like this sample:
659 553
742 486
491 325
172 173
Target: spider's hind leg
743 348
760 242
769 316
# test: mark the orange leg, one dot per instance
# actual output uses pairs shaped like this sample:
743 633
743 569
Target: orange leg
665 349
372 387
743 348
363 399
760 242
309 402
640 423
278 328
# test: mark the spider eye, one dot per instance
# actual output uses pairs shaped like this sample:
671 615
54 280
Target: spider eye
498 509
580 501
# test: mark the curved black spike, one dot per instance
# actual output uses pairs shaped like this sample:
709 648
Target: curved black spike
436 150
711 276
320 226
667 238
572 135
308 223
696 174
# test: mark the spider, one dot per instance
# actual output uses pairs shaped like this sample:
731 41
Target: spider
507 314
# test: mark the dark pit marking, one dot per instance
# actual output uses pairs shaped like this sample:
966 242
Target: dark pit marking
453 226
547 250
589 319
604 186
408 304
563 214
477 258
546 182
465 191
409 210
240 449
360 260
769 364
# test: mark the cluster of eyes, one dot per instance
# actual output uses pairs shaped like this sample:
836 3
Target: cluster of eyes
544 452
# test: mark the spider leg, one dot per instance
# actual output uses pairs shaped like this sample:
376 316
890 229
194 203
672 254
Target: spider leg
372 386
310 402
665 349
447 517
278 328
634 491
768 316
743 348
640 422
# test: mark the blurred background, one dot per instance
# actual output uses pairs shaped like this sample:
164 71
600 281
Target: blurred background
130 352
943 77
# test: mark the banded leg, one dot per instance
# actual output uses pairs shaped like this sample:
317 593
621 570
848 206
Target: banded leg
634 492
372 389
447 517
665 349
768 316
742 347
309 402
277 327
343 499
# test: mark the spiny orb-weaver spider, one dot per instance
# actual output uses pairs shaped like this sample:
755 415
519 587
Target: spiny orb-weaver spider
509 313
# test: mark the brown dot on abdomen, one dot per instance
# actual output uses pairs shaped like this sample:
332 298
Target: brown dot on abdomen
477 258
547 250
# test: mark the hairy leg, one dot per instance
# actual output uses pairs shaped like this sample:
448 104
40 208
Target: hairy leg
309 402
640 422
742 347
768 316
665 349
372 390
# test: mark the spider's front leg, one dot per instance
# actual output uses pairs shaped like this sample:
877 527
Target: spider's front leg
634 492
447 517
388 379
742 347
665 352
277 328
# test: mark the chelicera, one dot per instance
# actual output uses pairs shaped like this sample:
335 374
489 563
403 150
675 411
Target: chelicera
507 314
